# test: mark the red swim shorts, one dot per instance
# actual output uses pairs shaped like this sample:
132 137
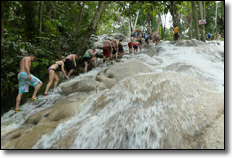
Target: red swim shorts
130 45
106 51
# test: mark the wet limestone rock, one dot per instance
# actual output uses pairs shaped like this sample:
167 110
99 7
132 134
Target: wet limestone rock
43 122
180 112
119 71
86 85
189 43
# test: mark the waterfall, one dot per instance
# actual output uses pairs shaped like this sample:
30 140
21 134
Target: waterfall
171 106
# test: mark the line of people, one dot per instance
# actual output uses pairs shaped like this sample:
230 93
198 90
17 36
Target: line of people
25 78
112 49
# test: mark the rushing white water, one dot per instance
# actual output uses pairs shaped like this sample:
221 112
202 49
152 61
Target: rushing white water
139 111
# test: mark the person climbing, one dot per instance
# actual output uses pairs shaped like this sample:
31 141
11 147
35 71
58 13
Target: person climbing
156 38
219 36
135 46
144 35
115 49
120 49
148 39
70 63
52 74
175 29
130 45
107 50
25 78
89 57
138 32
209 36
139 39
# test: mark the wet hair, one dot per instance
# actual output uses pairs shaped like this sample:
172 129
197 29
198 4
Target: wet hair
62 57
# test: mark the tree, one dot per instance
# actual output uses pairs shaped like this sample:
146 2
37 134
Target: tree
202 26
30 23
41 16
79 18
92 26
195 18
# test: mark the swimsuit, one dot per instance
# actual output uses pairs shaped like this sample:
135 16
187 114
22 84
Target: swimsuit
24 82
120 48
53 68
130 45
69 64
135 46
106 51
50 69
87 56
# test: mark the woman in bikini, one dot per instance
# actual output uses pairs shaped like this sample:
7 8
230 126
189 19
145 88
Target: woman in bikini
53 75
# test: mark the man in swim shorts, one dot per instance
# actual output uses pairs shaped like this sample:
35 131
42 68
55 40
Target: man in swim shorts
25 79
120 49
130 45
70 63
136 45
107 50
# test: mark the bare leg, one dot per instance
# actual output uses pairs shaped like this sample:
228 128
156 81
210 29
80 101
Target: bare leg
95 62
51 78
130 51
70 72
18 100
37 89
86 66
104 58
56 81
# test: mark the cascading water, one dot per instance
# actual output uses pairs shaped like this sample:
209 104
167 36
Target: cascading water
168 107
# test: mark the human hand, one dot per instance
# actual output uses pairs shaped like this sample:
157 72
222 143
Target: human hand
29 78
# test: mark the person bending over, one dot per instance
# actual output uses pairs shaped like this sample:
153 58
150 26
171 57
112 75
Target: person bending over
52 74
70 63
89 57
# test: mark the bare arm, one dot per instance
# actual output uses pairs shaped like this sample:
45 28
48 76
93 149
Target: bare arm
74 60
27 65
63 71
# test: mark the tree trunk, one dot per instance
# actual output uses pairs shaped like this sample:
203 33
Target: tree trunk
204 11
202 26
29 23
163 27
2 28
173 12
2 16
92 26
149 21
158 23
176 17
136 20
179 25
41 17
79 20
195 20
215 37
130 26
